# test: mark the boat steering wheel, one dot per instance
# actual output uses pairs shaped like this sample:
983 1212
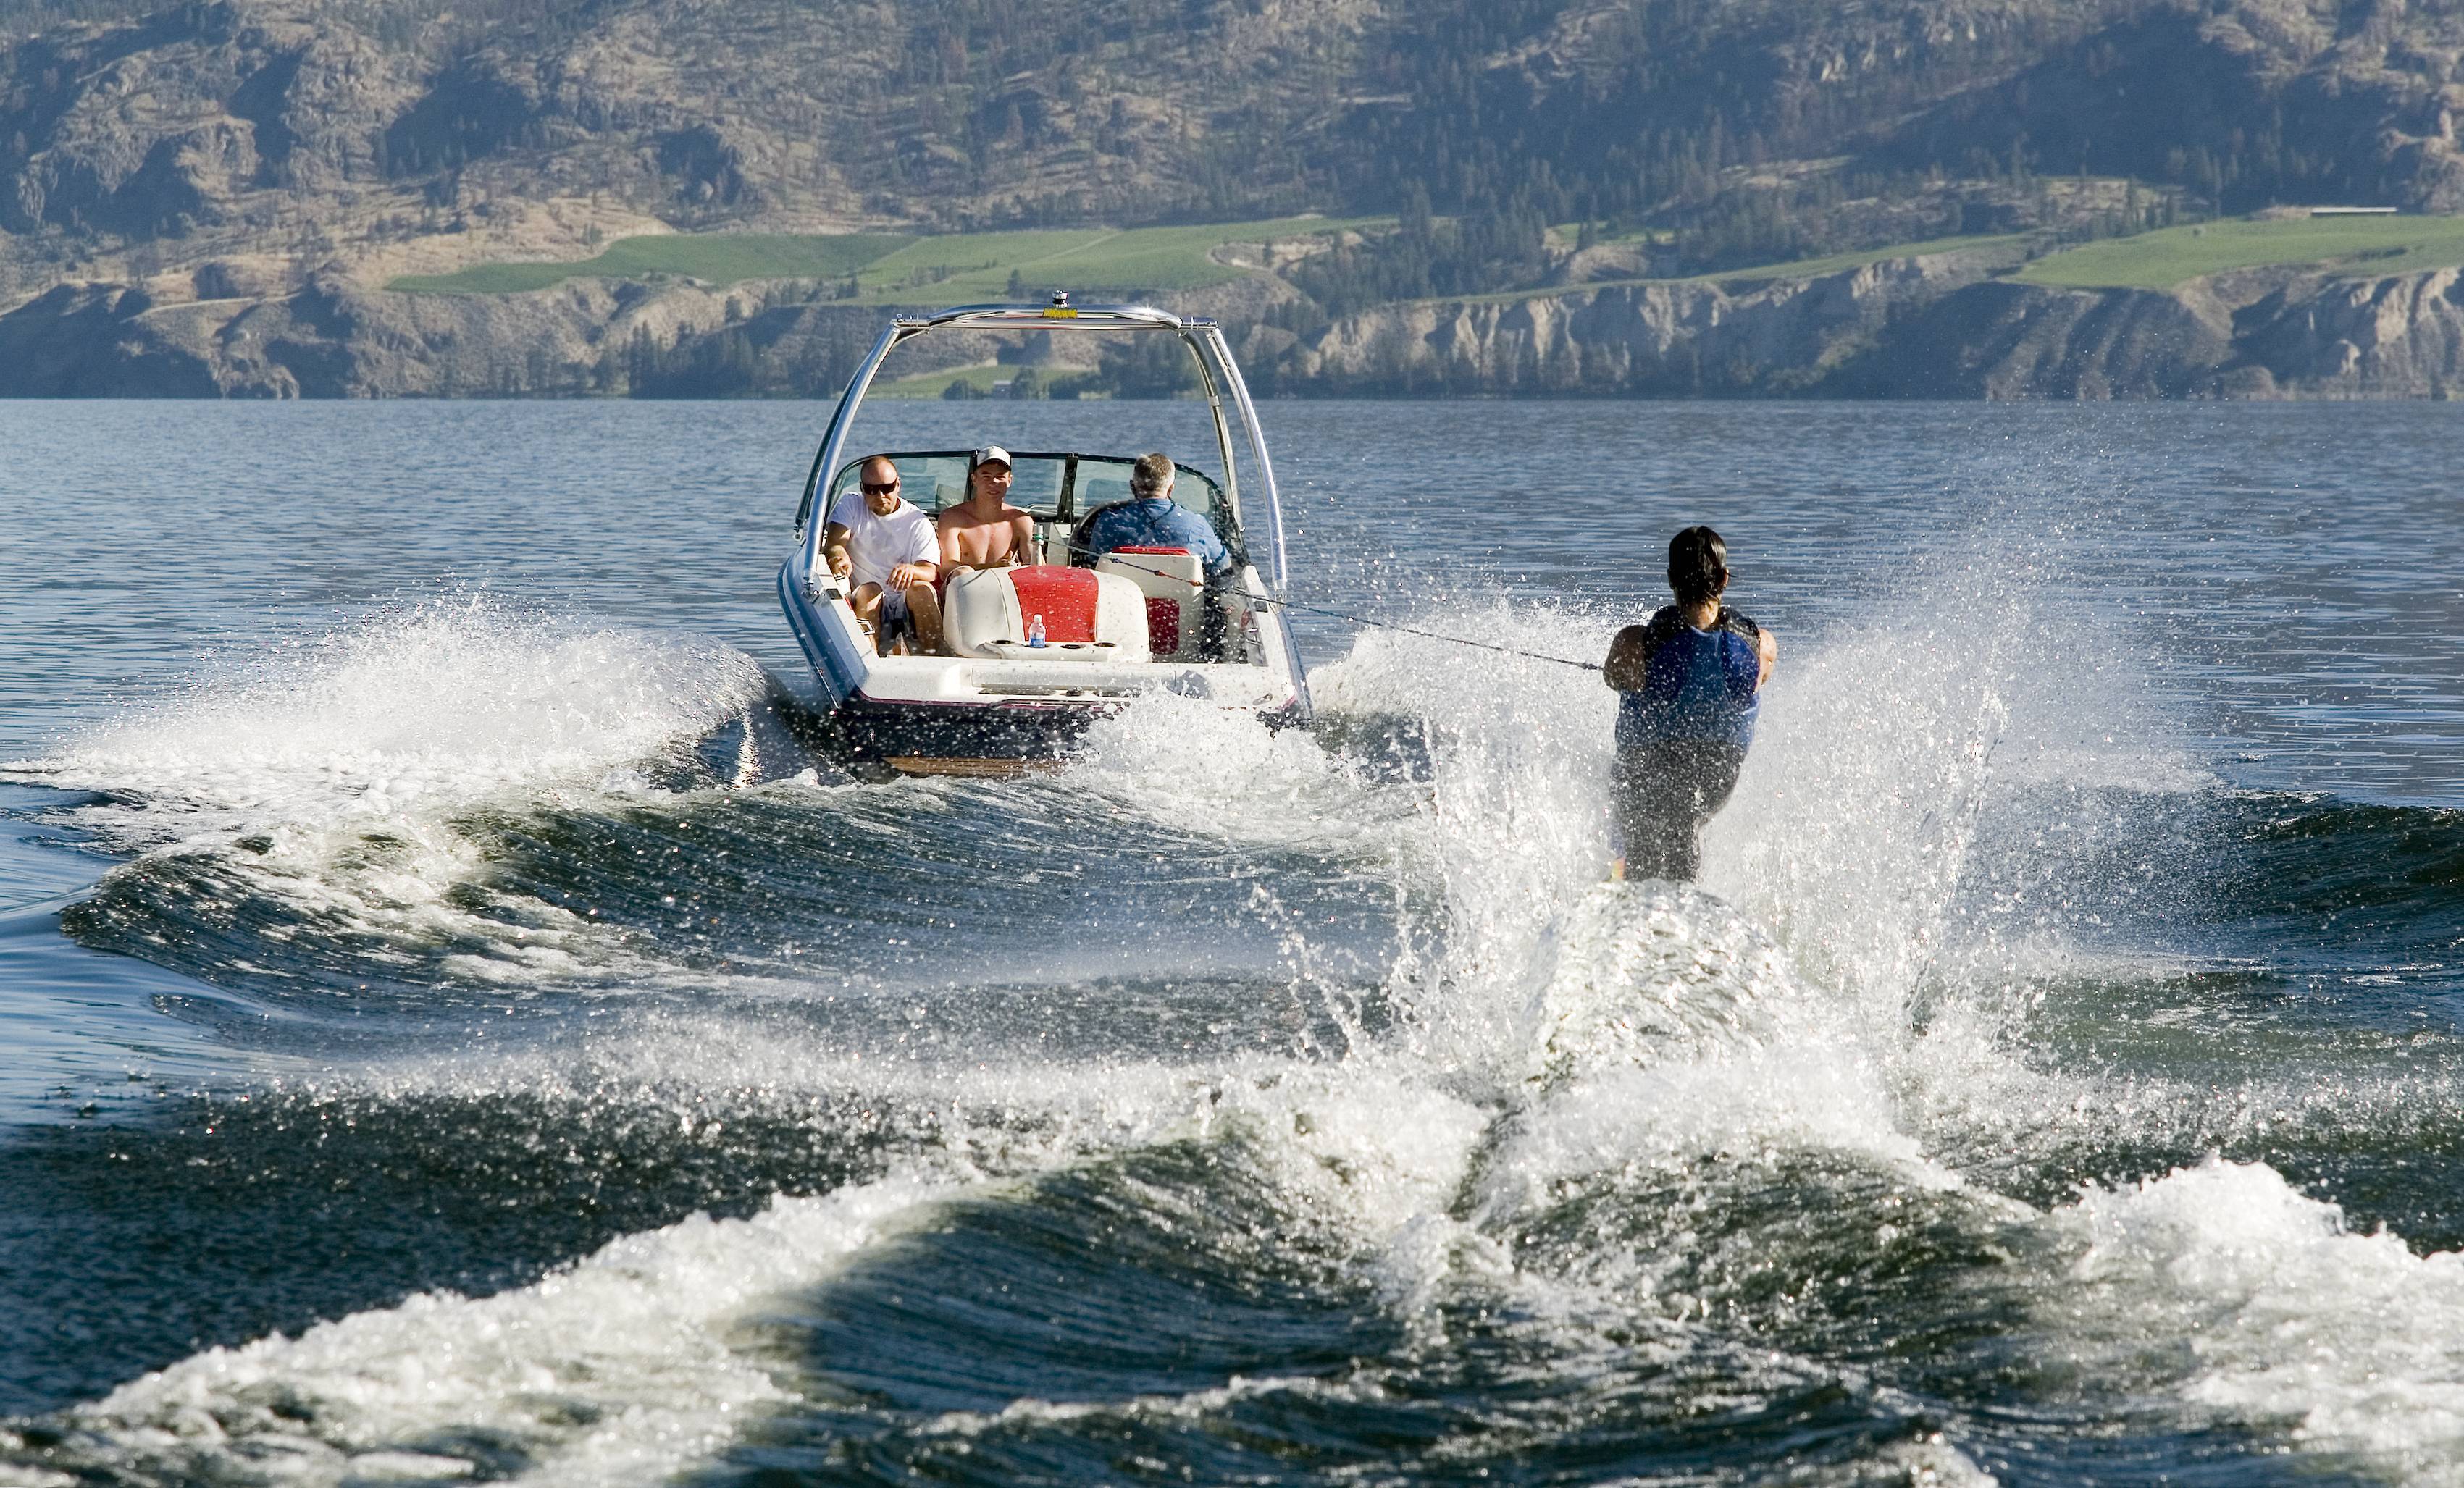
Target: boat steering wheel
1078 558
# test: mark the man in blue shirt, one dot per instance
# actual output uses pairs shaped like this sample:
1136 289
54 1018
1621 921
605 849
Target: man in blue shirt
1690 683
1149 519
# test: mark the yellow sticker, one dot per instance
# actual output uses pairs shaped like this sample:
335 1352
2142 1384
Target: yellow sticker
1060 312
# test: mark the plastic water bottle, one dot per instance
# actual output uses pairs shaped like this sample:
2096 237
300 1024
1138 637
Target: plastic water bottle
1035 632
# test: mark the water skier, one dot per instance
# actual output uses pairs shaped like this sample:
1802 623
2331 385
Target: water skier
1690 681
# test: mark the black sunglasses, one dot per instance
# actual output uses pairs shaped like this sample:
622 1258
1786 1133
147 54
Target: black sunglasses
872 490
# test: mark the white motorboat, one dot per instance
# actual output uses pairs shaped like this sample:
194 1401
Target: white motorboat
1034 652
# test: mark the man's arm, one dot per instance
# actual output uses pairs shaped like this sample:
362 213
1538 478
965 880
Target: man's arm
834 540
1767 649
923 562
1629 656
1202 539
1021 549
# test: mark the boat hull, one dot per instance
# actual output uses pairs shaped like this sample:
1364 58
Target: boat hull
944 738
936 716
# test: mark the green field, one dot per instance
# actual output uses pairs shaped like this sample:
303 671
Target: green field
932 384
2162 259
953 269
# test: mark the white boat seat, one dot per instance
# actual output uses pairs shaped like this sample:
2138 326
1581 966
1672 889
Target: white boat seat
1088 616
1173 582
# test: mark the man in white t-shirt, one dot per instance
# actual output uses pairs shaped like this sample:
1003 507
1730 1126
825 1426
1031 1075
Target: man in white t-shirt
889 551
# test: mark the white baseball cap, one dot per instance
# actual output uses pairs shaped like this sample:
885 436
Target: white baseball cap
991 452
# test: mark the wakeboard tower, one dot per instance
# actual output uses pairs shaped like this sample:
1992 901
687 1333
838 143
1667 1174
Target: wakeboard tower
1036 652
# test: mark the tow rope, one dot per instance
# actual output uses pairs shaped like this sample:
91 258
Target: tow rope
1431 635
1382 624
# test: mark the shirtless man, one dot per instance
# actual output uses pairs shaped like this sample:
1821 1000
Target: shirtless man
986 530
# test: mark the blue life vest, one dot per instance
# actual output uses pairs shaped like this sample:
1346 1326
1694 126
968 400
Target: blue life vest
1695 684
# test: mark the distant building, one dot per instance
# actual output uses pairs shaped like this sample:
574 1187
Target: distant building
2352 211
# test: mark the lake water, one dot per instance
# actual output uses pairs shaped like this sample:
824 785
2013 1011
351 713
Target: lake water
450 1030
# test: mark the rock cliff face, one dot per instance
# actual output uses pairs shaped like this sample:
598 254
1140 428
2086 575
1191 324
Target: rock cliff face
1940 327
1918 328
2015 340
1671 340
2393 338
336 338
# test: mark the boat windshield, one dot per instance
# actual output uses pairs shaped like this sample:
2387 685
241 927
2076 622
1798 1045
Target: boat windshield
1063 486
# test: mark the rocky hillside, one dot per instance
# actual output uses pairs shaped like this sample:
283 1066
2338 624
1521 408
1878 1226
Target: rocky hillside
289 138
210 197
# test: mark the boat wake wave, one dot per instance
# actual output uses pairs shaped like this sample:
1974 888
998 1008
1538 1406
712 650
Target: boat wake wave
332 803
424 713
1350 1061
